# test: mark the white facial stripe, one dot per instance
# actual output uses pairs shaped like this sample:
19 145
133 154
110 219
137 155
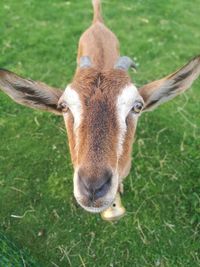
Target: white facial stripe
124 104
72 99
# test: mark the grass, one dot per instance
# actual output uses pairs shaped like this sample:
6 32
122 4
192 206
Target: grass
162 193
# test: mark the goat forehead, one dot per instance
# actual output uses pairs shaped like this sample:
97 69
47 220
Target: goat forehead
101 102
100 114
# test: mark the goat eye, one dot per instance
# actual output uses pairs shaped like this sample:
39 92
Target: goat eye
137 107
63 106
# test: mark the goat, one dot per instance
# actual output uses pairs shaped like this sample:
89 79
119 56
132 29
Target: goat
101 107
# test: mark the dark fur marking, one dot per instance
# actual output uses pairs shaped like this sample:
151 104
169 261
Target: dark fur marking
174 87
152 103
183 76
24 89
40 101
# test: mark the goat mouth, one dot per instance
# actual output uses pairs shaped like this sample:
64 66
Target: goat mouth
94 207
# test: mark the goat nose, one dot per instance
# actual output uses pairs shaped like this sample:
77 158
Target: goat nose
92 186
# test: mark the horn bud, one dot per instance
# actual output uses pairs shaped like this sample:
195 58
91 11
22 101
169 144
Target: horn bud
85 62
124 63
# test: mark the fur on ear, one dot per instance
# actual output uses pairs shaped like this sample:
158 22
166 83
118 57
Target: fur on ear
30 93
161 91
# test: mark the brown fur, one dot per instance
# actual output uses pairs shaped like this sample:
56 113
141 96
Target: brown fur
97 11
98 132
99 43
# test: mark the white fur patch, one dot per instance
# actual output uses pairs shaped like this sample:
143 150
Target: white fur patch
73 101
125 103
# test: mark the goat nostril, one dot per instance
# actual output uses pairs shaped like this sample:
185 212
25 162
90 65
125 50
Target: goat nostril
103 189
106 184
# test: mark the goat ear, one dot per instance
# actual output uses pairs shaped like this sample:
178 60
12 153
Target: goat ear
30 93
160 91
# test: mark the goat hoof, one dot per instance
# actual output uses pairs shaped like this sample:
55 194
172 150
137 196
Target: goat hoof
115 212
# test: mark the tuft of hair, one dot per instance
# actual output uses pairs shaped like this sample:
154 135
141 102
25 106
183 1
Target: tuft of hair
97 11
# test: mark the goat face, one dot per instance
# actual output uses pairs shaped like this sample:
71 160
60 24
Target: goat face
101 112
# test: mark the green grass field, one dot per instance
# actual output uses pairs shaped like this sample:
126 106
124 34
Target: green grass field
38 39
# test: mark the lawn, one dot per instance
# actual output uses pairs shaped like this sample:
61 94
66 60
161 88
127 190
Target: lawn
38 39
